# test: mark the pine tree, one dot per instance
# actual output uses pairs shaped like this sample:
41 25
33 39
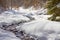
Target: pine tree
53 8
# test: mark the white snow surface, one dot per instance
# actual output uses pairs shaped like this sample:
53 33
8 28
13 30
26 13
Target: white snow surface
39 27
11 18
18 15
5 35
43 28
42 24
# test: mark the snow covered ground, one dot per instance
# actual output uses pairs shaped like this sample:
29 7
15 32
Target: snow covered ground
43 28
36 23
6 35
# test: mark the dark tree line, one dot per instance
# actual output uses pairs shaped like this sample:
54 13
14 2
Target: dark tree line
53 7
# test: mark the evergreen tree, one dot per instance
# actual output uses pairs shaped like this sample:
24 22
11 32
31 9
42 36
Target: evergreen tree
53 8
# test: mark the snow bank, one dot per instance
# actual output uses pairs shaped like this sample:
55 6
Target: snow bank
34 26
38 26
54 26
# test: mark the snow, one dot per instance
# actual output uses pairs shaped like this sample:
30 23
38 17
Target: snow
5 35
34 26
30 10
40 26
55 26
18 15
11 18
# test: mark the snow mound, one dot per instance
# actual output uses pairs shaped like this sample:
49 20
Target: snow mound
38 26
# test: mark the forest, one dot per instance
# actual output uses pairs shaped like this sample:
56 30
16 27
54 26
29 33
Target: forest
18 3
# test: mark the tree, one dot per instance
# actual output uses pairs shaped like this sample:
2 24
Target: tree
53 8
18 3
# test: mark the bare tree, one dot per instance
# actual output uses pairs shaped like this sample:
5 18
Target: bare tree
17 3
